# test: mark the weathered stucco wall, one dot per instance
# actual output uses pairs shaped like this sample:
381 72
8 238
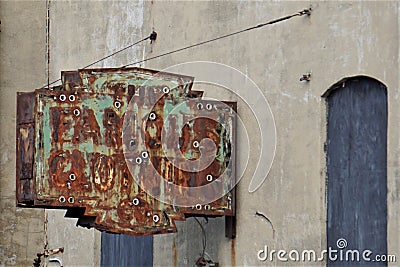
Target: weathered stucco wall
339 39
22 68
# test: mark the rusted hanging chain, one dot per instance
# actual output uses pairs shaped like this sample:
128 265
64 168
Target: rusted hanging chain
301 13
46 237
44 256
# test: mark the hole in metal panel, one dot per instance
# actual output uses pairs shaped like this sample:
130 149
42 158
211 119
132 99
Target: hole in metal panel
61 199
72 177
145 155
152 116
132 143
156 218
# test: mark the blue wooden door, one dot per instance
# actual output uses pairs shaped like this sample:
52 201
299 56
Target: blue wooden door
125 250
356 170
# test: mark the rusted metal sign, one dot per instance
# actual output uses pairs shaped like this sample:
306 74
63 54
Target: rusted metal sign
96 144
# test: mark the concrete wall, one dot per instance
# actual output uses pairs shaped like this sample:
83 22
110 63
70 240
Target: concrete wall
22 68
340 39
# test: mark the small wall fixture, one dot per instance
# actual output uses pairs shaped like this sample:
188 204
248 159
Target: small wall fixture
306 77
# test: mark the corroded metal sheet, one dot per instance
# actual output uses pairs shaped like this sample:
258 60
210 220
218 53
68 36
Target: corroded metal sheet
94 146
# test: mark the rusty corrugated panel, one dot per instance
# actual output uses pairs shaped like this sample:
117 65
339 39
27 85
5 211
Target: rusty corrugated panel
71 152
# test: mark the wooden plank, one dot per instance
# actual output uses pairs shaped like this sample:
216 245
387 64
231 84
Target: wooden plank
356 167
126 250
25 142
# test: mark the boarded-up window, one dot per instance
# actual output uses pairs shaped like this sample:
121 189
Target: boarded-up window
356 168
125 250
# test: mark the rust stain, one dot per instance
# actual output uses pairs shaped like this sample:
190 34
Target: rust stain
233 252
71 154
174 253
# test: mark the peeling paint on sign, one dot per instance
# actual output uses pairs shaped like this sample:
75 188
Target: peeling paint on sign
71 152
